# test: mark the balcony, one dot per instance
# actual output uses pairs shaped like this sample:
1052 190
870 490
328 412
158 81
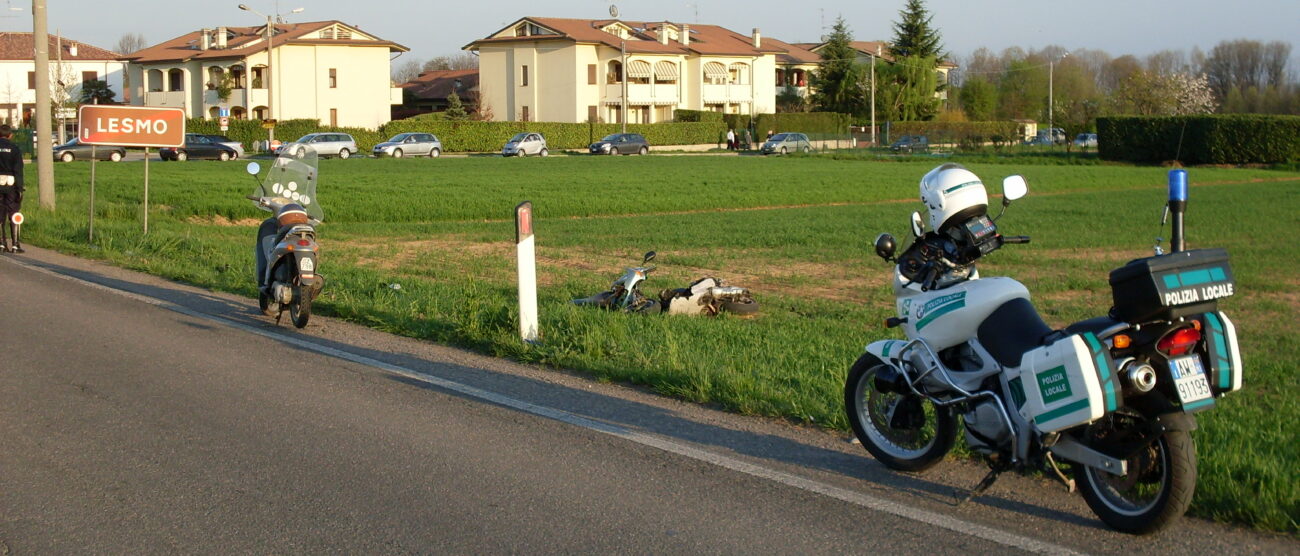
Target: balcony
237 98
726 93
171 99
643 93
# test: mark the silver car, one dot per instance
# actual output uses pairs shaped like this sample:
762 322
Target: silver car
525 144
783 143
410 144
341 145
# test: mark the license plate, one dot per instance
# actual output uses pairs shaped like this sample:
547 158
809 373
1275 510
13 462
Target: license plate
306 265
1189 378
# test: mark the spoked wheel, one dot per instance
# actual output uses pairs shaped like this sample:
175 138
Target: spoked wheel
1156 490
300 307
903 431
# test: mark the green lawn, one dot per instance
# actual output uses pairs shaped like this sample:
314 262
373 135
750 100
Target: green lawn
796 230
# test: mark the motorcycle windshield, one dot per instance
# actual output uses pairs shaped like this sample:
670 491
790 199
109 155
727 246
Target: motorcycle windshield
292 179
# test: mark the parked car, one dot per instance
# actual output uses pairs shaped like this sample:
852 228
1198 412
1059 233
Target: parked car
223 140
783 143
911 144
198 146
525 144
1086 140
1046 137
341 145
410 144
75 150
621 143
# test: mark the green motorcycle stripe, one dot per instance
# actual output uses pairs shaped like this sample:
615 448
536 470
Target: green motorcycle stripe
1103 370
1063 410
1198 404
1220 350
941 311
1171 281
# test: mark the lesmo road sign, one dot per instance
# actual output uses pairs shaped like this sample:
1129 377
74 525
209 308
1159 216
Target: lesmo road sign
131 126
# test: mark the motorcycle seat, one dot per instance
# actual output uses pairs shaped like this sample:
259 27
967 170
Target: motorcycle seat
1012 330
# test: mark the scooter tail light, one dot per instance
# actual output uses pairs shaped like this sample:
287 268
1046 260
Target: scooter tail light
304 242
1179 342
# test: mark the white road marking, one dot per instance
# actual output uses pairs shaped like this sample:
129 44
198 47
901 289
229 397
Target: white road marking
853 497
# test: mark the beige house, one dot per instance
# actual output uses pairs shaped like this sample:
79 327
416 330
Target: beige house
72 63
866 50
324 70
576 70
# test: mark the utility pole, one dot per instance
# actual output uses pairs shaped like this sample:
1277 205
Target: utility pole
873 96
1051 104
622 46
44 148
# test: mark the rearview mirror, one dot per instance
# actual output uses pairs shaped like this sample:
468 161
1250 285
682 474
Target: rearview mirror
649 256
918 229
253 168
1014 187
886 246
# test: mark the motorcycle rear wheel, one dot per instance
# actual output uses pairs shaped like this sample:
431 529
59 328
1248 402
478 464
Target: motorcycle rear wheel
871 411
741 307
1154 493
300 307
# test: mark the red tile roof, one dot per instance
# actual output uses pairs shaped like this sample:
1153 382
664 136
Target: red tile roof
704 39
243 41
438 84
20 46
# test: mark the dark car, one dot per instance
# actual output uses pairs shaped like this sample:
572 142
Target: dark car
911 144
75 150
621 143
198 146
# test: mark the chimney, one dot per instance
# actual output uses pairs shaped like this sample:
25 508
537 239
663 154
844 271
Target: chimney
758 38
221 38
205 39
72 50
663 33
686 35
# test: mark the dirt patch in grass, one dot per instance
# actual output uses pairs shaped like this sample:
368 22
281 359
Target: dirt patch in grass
219 220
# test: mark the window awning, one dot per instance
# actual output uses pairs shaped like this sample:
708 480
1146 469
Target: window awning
638 68
714 70
666 70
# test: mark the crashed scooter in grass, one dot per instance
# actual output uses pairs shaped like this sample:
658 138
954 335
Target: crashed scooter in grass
625 294
286 249
708 296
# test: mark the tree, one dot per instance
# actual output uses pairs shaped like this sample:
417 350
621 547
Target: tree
836 80
905 89
96 90
913 36
461 61
979 100
455 109
1246 63
789 100
1150 93
130 42
406 71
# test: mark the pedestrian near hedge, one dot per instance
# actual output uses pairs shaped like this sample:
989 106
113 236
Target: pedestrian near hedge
731 139
11 189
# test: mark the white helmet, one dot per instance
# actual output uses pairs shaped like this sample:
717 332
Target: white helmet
952 194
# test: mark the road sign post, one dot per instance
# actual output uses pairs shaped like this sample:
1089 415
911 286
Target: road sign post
527 259
131 126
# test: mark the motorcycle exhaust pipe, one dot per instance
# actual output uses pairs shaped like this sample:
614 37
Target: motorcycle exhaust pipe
1140 376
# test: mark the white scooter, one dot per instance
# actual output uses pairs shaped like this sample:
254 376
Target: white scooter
1113 396
286 249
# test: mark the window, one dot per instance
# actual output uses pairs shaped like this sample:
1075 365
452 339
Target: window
591 113
524 79
334 78
31 80
591 74
175 80
334 117
524 115
88 76
615 73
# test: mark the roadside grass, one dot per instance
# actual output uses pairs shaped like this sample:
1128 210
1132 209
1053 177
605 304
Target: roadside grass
797 230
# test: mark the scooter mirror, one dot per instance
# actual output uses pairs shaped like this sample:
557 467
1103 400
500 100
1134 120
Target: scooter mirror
649 256
885 246
253 168
917 227
1014 187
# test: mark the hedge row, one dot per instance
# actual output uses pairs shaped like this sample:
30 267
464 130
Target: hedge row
682 115
957 132
1206 139
471 136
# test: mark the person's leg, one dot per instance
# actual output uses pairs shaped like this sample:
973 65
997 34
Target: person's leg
267 229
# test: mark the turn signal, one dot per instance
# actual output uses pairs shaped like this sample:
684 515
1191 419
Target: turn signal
1122 341
1180 342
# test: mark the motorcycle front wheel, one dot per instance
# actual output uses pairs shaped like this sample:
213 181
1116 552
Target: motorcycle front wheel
1153 494
903 431
300 307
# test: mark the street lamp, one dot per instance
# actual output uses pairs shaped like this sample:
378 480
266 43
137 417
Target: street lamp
1051 129
270 104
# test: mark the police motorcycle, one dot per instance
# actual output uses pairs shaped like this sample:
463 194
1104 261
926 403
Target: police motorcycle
1114 396
286 249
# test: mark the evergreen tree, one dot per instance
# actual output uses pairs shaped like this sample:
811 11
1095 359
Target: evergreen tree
455 109
905 90
913 36
96 89
836 81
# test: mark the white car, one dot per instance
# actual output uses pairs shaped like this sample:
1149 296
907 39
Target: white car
1086 140
341 145
525 144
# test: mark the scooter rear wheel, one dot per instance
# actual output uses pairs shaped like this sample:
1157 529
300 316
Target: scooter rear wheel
903 431
264 303
741 307
300 307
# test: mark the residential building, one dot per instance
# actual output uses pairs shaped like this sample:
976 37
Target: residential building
577 70
866 50
322 70
794 68
429 91
71 64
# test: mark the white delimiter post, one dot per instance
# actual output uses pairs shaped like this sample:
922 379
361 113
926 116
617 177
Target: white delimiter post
527 259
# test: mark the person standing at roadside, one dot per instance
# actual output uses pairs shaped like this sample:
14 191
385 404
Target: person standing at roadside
731 139
11 188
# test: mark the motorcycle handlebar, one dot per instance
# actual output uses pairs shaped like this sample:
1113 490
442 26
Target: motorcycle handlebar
1015 239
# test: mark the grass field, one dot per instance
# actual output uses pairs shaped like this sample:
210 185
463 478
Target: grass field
796 230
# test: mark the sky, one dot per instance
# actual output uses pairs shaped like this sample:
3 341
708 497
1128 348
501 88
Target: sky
432 28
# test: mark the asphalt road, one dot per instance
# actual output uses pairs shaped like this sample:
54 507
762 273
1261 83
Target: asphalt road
142 416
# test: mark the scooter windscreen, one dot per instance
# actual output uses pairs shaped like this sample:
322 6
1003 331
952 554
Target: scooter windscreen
292 179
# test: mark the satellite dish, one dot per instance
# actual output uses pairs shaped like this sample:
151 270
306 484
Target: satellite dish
613 10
